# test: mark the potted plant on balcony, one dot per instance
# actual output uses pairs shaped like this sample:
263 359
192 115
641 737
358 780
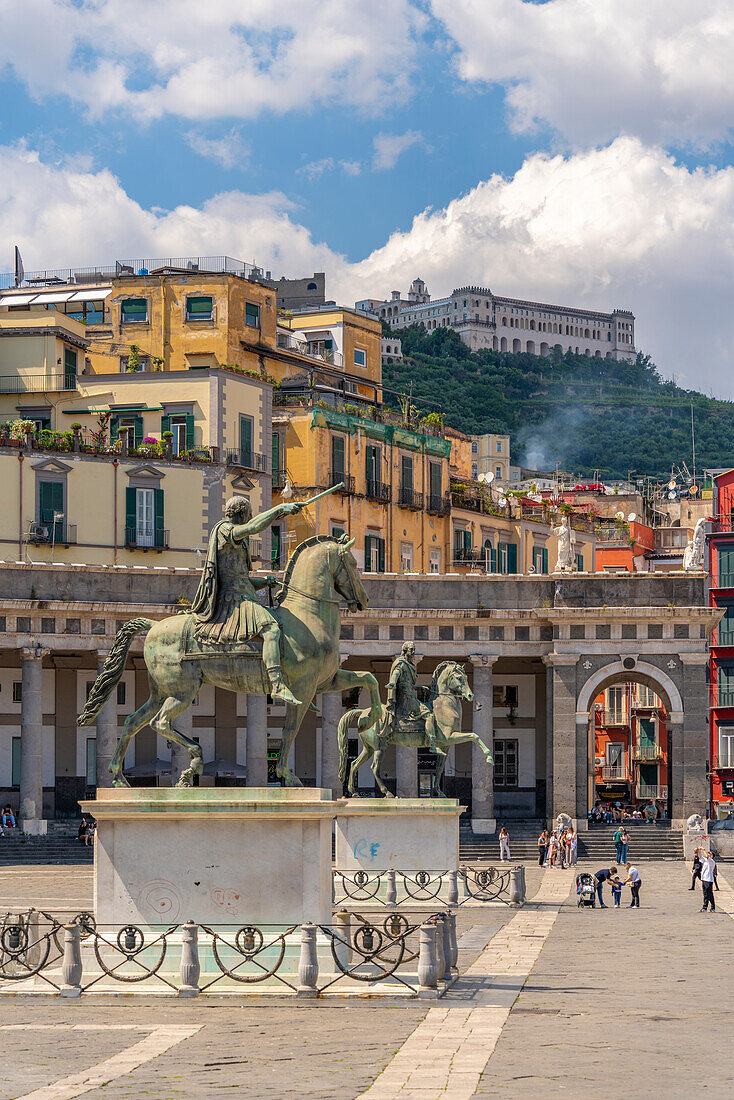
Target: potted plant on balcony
149 447
167 441
76 429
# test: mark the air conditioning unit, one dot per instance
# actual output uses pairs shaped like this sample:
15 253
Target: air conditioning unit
599 761
38 532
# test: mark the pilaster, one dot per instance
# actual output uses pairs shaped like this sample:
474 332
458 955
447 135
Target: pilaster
482 782
31 741
257 741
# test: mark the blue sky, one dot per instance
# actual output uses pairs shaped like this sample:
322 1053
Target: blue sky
569 151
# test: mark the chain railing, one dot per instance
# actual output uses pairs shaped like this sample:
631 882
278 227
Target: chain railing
386 953
394 887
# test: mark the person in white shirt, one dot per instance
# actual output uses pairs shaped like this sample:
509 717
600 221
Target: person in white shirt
634 881
504 845
708 872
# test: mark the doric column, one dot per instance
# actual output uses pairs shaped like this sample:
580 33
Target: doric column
31 742
482 773
331 711
257 741
106 730
691 745
180 758
565 750
406 771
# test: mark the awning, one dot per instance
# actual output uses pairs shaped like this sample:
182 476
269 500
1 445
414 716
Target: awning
93 295
17 299
48 296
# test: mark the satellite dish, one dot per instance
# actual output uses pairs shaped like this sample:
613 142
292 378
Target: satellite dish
531 569
671 483
619 515
693 490
487 478
672 496
632 517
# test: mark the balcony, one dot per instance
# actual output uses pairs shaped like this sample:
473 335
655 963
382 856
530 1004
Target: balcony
613 717
722 696
409 498
724 763
611 773
647 754
725 580
155 266
377 491
338 477
37 383
137 539
57 534
651 790
438 504
248 460
312 349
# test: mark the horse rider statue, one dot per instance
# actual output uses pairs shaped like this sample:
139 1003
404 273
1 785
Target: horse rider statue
226 607
406 709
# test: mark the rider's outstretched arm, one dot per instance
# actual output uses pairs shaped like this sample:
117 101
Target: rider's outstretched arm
259 523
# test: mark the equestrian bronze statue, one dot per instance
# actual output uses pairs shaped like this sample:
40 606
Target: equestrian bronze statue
229 639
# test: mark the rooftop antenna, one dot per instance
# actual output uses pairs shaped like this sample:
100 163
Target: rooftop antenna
693 444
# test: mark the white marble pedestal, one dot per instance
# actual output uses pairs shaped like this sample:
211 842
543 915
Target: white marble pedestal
406 834
214 855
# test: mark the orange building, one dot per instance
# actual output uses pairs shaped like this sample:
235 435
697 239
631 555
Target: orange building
630 747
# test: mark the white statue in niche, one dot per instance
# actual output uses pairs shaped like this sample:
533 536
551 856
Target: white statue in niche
566 547
693 553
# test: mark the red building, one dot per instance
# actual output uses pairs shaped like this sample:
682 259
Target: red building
721 667
630 747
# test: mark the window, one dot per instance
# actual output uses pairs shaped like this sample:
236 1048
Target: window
129 427
252 315
406 557
725 630
144 518
275 458
579 563
374 554
725 685
181 426
372 469
726 566
474 471
474 447
70 358
337 528
498 471
51 508
540 559
499 446
462 545
504 695
91 761
199 307
434 481
360 357
338 454
434 561
121 693
246 429
134 311
406 479
726 747
15 766
506 557
616 706
505 763
17 691
276 546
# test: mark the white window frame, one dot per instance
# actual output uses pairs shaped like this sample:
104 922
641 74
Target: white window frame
357 361
725 746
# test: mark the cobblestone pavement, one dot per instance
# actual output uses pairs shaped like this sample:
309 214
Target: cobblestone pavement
614 1001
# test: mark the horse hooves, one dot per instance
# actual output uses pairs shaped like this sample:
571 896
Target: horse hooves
120 781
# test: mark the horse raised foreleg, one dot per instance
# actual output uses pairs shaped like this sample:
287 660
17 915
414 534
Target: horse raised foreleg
376 765
347 680
172 707
133 725
461 739
293 718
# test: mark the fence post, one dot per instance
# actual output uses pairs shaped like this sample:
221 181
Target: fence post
516 890
391 890
440 957
71 967
448 918
453 894
427 966
308 965
343 938
464 872
190 965
454 943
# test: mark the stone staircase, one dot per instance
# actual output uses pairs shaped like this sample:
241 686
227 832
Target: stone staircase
646 842
60 845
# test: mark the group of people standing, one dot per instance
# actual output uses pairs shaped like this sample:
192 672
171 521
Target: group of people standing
622 844
558 849
611 875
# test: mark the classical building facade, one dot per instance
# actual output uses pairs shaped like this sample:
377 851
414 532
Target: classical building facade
486 320
539 651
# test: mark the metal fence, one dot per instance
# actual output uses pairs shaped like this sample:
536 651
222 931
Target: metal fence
455 887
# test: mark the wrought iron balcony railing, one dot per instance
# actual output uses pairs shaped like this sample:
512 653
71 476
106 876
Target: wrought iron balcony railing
37 383
138 539
647 754
337 477
651 790
376 490
249 460
438 504
614 771
409 498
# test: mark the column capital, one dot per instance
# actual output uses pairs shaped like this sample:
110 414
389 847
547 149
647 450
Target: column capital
693 658
562 659
34 653
483 660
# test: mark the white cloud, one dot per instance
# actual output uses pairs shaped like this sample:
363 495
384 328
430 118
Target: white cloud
351 167
314 169
594 69
229 150
388 148
621 226
223 58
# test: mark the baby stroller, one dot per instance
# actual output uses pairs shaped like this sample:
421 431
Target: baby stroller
586 890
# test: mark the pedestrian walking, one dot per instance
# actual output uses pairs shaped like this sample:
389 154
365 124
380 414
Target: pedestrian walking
708 873
617 838
600 878
625 845
697 865
504 845
573 847
634 881
542 847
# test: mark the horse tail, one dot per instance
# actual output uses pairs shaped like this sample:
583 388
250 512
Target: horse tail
112 669
345 723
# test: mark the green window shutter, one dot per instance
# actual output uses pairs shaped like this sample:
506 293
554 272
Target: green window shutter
131 515
200 307
165 424
246 438
337 456
252 315
580 563
407 473
51 499
726 566
275 546
158 517
138 430
511 558
189 431
134 309
545 559
726 626
114 428
381 555
367 552
493 560
275 455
